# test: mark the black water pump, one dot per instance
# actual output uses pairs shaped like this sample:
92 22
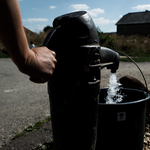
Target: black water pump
75 85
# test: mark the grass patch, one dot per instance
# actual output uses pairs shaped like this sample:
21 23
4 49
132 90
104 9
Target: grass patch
136 59
2 55
31 128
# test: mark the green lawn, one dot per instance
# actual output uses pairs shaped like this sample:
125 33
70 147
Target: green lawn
2 55
136 59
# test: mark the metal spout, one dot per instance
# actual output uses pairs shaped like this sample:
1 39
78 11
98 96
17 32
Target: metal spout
109 59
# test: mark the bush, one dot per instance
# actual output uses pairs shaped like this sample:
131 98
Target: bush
105 40
132 45
47 28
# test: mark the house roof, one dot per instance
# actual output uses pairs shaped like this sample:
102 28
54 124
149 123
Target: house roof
135 18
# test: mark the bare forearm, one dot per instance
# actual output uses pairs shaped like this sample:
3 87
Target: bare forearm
12 32
38 63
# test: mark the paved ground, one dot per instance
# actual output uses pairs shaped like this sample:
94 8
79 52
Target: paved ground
23 102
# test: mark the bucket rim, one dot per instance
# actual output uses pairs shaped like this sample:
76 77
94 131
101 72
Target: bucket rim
132 102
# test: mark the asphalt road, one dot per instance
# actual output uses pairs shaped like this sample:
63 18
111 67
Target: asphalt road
23 102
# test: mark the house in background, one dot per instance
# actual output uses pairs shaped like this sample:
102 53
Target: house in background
134 24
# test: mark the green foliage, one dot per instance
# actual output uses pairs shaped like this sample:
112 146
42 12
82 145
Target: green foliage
3 55
137 59
47 28
32 127
105 40
136 46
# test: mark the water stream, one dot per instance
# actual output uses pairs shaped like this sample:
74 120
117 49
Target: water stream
113 92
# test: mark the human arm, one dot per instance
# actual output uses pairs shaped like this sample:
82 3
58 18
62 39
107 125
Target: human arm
38 63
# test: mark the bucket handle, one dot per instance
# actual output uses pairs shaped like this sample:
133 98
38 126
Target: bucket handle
137 67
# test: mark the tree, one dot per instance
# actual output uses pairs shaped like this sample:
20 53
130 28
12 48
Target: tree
105 40
47 28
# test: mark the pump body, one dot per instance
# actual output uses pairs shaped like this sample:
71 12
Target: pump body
75 84
74 87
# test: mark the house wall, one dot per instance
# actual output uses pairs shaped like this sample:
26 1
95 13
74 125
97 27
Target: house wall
134 29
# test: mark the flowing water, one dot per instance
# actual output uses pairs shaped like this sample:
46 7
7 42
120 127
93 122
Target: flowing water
113 92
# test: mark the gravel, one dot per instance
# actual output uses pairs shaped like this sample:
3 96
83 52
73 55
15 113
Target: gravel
23 102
